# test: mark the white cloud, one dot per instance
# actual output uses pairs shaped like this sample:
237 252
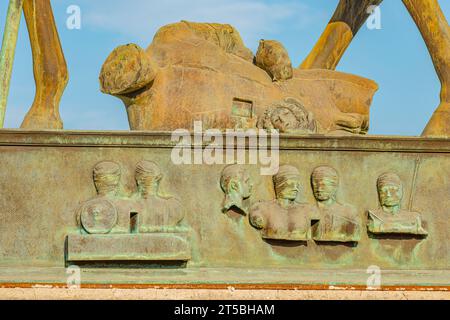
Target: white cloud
140 19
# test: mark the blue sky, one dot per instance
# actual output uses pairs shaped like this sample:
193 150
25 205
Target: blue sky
395 56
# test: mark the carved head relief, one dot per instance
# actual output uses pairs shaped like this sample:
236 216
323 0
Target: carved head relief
325 182
288 116
237 186
391 218
148 176
106 177
287 183
390 191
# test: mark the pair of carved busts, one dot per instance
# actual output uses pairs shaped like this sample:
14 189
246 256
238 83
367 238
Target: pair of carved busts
111 212
285 218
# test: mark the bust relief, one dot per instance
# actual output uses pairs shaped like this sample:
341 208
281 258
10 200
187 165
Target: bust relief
108 211
390 218
157 212
337 222
284 218
236 184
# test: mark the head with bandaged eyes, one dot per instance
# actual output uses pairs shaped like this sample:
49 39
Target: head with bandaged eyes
148 176
287 183
325 182
106 175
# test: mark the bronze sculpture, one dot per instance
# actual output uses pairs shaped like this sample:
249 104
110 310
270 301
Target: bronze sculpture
200 71
289 116
348 18
197 72
109 211
49 65
156 212
337 222
284 218
391 218
237 186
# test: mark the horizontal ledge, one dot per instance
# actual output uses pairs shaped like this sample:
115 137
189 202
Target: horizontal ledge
144 139
235 286
251 278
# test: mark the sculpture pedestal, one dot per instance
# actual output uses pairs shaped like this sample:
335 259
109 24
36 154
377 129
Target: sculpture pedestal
46 175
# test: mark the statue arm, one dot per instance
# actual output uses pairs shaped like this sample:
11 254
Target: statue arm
348 18
49 65
433 26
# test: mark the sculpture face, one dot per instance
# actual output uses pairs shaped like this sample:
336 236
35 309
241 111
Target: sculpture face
288 116
324 188
289 190
236 182
284 119
390 195
237 186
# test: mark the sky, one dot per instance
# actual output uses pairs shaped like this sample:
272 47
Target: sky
395 56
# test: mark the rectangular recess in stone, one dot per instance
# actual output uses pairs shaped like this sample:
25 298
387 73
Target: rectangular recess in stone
242 108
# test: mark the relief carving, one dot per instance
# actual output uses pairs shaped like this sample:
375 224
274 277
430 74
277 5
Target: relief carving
289 116
390 218
108 211
156 212
116 227
284 218
337 222
237 186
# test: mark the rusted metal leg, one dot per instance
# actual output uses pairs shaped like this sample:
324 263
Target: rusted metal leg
50 69
7 54
348 18
435 30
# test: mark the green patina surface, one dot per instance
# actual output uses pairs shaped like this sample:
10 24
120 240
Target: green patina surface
48 174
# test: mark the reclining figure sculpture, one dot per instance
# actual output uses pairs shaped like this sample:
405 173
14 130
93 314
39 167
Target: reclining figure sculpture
203 71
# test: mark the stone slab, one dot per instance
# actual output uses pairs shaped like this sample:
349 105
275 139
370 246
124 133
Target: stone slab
128 247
